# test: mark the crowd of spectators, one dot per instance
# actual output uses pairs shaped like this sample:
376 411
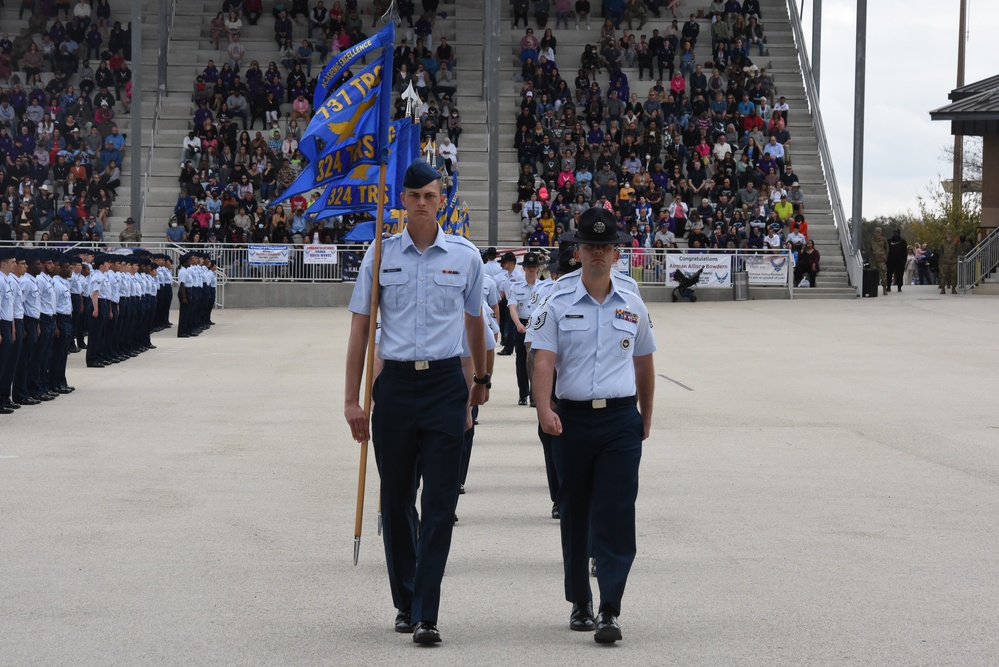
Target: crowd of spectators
230 171
60 148
699 155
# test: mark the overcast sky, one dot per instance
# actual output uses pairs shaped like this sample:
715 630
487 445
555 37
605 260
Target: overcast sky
911 68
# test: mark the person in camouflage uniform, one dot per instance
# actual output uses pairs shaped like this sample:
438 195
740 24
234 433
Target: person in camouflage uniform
130 234
879 257
948 264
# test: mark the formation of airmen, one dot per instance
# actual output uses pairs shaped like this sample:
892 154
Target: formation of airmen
54 303
196 286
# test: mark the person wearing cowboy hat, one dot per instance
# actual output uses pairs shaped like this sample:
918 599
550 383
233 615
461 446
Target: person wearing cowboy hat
523 299
564 264
598 338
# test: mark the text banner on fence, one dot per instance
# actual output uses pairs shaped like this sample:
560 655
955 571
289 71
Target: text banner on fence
267 255
767 269
320 254
717 269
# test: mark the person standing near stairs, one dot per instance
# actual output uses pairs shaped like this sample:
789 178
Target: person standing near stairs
948 263
879 258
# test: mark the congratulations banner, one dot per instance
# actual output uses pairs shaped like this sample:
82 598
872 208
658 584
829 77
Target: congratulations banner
767 269
267 255
717 269
320 254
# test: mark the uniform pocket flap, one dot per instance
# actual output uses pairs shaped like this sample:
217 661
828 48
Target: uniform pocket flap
393 278
569 323
449 279
625 325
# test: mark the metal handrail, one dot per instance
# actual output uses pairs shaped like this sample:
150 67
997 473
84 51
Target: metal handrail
160 94
976 266
852 256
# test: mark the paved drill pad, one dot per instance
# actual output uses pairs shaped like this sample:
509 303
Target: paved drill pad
819 488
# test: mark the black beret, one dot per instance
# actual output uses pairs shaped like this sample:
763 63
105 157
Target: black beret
419 174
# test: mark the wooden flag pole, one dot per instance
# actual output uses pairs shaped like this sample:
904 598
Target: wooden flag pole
369 358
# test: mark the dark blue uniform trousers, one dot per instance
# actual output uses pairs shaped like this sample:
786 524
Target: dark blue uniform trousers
597 458
22 375
60 351
7 360
96 326
42 357
417 426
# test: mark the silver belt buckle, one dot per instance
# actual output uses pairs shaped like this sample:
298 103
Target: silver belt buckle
422 365
599 403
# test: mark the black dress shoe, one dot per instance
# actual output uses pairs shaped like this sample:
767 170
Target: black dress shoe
68 388
97 365
608 631
426 633
183 336
10 405
82 346
51 394
522 401
555 512
74 349
26 400
44 397
5 411
403 623
61 390
581 618
461 489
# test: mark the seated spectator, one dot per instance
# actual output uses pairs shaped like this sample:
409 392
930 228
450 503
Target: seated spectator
300 108
282 29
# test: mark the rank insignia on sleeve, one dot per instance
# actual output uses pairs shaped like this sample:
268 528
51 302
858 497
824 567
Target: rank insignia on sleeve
626 316
541 320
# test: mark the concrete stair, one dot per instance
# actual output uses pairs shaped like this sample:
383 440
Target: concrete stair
191 49
12 25
781 61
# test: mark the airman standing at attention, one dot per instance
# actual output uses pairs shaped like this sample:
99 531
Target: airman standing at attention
598 338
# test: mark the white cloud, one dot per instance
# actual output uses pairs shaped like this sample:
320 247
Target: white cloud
911 68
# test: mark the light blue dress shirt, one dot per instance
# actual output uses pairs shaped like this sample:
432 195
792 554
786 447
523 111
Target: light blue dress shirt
422 296
62 298
46 295
31 300
6 298
594 344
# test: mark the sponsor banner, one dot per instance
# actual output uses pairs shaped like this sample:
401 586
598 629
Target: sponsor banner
320 254
717 269
267 255
767 269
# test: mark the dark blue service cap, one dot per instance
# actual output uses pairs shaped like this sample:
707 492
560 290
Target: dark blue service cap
419 174
7 253
21 254
62 258
74 259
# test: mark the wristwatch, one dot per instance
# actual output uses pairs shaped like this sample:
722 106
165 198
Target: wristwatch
485 379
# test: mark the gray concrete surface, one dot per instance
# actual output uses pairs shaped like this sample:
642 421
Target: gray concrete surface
820 489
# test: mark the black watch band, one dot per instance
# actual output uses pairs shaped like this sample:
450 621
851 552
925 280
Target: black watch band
485 379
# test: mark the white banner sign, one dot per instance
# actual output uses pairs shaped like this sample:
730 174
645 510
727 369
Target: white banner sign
717 269
767 269
268 255
320 254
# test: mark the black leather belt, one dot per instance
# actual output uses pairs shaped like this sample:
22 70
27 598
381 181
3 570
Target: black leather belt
597 403
422 365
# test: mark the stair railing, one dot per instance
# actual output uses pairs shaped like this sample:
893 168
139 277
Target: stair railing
852 256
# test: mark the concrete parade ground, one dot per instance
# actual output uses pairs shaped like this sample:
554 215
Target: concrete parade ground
821 487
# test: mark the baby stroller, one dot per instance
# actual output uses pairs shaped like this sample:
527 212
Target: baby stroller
685 288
